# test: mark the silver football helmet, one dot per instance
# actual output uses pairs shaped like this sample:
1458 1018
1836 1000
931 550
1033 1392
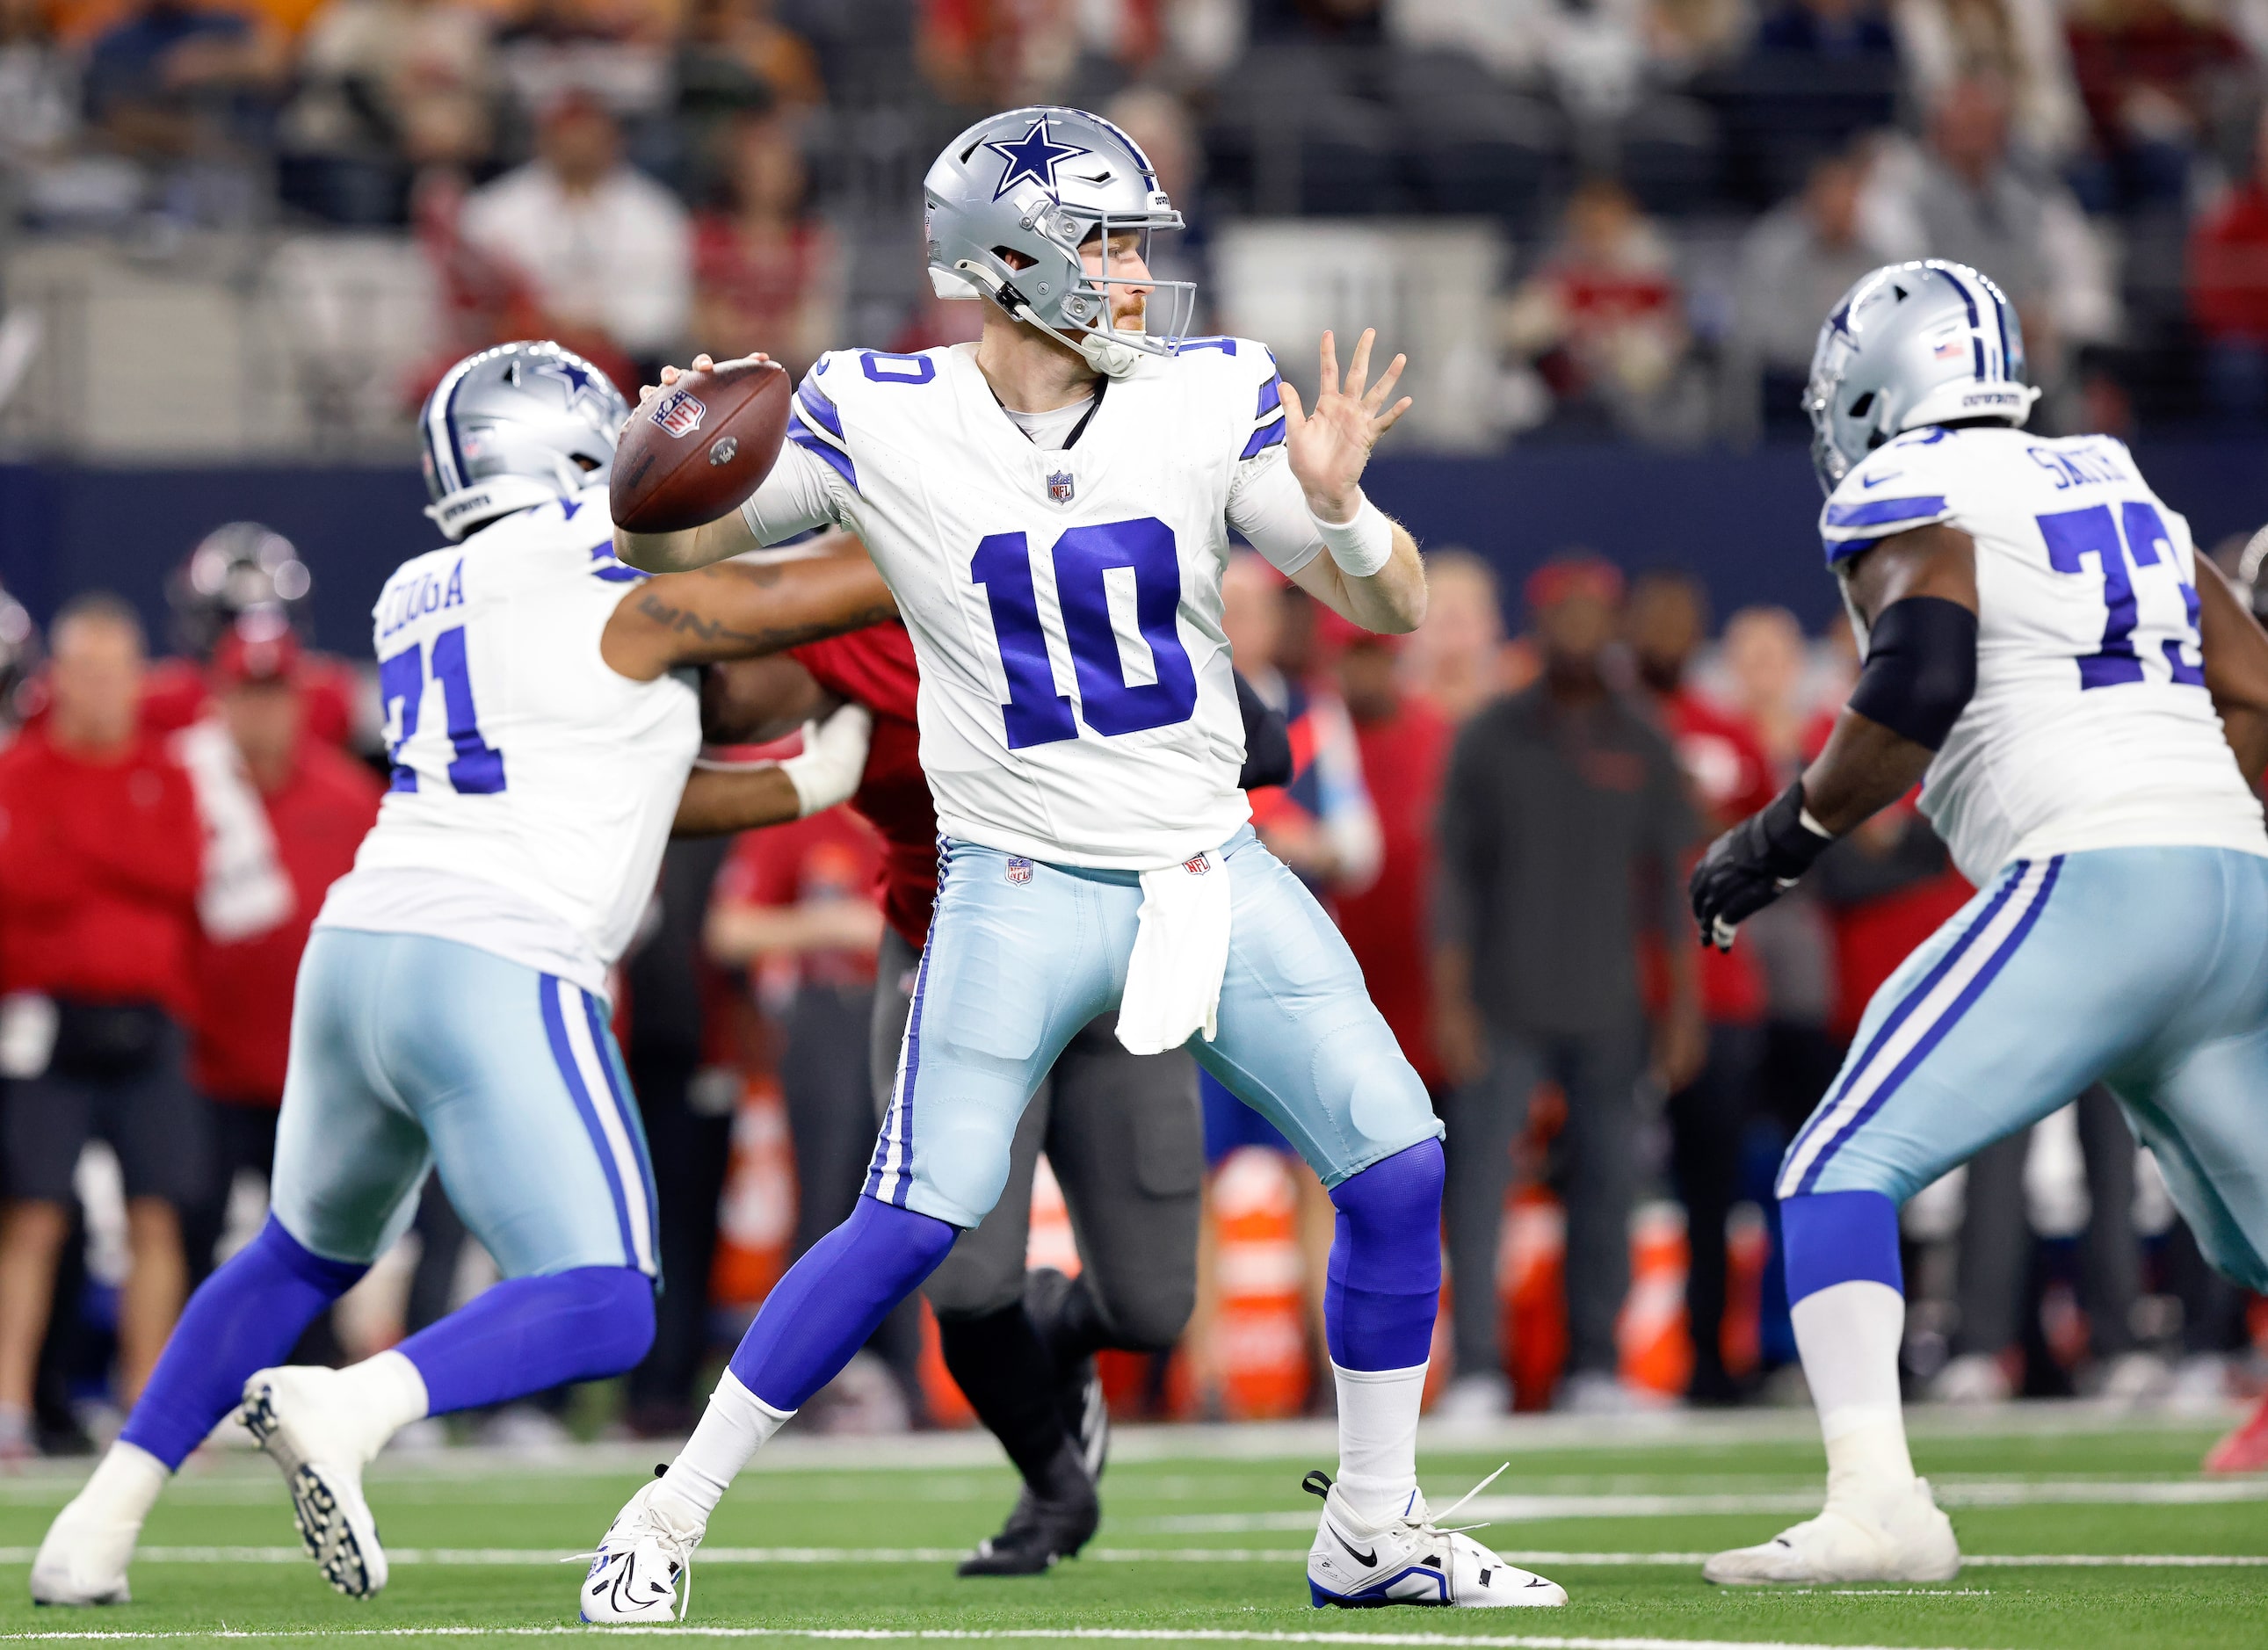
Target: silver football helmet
521 425
1912 344
1036 183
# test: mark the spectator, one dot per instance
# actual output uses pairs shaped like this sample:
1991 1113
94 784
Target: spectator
2021 41
2150 71
613 51
1603 321
1729 778
605 249
174 80
766 272
285 811
746 34
1767 663
1563 836
1455 661
40 152
99 870
2228 292
1796 263
1827 29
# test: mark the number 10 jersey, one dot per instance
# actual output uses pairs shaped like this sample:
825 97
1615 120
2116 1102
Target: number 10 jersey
1076 703
2090 727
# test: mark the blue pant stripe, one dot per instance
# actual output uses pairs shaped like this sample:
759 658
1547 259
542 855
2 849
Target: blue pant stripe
562 1055
1912 1000
602 1040
1944 1023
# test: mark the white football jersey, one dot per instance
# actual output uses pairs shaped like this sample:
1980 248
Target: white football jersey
1076 703
2090 727
533 787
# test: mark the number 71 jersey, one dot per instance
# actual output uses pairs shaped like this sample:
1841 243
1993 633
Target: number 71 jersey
1077 703
2090 727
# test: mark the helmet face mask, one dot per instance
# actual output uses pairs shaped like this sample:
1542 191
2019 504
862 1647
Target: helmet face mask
1912 344
1040 184
515 426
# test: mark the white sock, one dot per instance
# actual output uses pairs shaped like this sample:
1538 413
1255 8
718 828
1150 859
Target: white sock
1378 1438
1849 1335
126 1483
386 1393
736 1424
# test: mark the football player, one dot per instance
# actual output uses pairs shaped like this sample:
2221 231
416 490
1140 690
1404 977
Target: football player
2047 654
452 1007
1051 507
1020 1347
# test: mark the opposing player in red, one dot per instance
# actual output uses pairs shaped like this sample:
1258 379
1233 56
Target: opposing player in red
1022 1348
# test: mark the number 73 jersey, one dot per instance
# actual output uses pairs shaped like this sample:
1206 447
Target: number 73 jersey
2090 727
1076 703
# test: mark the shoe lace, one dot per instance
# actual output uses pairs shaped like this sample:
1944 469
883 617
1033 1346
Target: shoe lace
1432 1522
646 1526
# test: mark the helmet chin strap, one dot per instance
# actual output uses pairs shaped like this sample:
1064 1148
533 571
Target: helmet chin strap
1099 350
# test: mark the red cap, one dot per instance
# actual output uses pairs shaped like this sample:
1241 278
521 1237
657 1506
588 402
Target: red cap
1567 577
1335 635
248 654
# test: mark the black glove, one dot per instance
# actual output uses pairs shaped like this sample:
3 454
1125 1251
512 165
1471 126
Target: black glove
1752 865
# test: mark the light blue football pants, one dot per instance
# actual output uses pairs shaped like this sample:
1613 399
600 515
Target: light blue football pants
1022 953
2145 967
410 1054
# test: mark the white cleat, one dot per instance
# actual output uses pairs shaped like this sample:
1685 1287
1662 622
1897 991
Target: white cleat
295 1415
1896 1536
645 1552
1358 1565
84 1558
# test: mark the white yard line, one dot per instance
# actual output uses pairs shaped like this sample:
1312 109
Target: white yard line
1120 1635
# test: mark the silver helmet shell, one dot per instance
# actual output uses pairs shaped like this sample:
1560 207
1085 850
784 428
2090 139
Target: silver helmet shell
1911 344
1036 182
517 425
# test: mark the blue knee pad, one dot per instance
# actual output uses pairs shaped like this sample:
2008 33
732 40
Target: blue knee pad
1385 1277
528 1335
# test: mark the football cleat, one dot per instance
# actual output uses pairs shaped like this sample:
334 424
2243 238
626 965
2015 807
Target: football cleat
1041 1532
1079 1389
84 1558
1899 1535
643 1555
1356 1564
321 1447
2243 1450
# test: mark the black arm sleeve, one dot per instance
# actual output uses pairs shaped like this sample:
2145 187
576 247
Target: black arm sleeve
1267 741
1921 669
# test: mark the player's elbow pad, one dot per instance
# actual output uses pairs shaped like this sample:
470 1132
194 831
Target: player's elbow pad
1921 669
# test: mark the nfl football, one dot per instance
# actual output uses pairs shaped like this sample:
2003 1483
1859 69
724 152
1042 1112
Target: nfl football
695 450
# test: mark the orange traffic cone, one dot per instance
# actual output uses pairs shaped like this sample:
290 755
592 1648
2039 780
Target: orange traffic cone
1656 1352
1531 1275
756 1220
1261 1346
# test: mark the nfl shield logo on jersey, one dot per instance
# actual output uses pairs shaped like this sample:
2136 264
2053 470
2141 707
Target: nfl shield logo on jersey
1060 487
679 413
1019 871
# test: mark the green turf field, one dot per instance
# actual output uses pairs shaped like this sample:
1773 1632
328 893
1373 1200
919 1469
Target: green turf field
2061 1514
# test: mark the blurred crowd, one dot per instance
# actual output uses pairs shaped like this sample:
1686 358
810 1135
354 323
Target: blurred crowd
1499 811
1686 184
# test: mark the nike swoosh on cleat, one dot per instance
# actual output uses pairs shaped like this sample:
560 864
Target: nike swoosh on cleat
1368 1559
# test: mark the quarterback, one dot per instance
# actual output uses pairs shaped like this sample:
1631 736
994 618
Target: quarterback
2082 697
1051 507
451 1011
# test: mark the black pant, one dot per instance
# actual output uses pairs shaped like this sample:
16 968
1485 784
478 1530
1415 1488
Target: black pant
1707 1119
691 1147
237 1138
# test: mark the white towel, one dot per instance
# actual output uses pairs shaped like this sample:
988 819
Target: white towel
1181 952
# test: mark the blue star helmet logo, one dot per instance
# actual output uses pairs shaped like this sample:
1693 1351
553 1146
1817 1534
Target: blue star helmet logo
1034 156
578 378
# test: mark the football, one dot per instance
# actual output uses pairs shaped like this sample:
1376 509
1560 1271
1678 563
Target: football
696 450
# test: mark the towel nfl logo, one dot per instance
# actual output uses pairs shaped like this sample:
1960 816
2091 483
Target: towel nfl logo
1195 866
679 413
1060 487
1019 871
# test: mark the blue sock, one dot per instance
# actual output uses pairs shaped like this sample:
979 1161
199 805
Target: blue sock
834 1297
532 1334
1385 1279
1839 1237
246 1317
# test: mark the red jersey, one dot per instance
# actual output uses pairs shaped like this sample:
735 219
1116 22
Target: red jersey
830 855
243 1021
875 668
98 868
175 693
1731 778
1403 758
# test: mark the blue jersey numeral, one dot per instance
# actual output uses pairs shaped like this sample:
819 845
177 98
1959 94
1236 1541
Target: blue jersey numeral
2137 533
1084 559
477 768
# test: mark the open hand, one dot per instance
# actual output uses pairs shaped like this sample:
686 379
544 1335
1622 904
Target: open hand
1330 446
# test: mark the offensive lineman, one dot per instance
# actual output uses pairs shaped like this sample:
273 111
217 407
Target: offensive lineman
1051 507
2068 678
451 1010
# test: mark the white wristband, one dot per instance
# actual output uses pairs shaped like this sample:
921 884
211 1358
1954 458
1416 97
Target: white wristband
1362 546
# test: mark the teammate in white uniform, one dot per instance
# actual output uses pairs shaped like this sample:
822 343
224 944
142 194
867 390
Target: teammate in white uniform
2084 701
1051 508
452 1009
